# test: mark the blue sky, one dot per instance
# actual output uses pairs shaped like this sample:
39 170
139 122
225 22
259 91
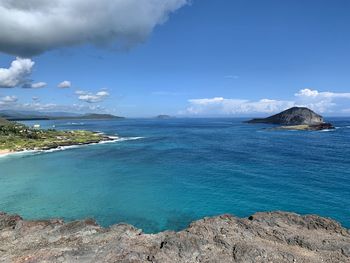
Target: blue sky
209 58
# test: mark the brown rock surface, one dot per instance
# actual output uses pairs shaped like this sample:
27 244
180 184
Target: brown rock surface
264 237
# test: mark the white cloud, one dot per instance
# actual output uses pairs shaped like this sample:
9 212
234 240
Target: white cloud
322 102
8 99
37 85
308 93
17 74
36 106
92 97
80 92
36 99
12 104
33 26
65 84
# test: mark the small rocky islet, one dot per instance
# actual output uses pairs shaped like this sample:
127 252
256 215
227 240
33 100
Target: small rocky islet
274 237
164 117
296 118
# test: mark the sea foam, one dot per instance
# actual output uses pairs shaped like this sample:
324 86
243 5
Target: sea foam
63 148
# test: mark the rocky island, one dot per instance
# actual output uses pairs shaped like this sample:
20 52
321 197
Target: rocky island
163 117
16 137
296 118
274 237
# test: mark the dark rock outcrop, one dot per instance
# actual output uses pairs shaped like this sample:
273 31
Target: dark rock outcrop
321 126
292 116
264 237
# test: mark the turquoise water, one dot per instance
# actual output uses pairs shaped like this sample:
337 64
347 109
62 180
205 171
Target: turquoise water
181 170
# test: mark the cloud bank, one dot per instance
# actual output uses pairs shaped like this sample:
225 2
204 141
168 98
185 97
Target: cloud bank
222 106
8 100
31 27
322 102
13 103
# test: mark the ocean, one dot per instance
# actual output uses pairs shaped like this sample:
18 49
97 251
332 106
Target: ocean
163 174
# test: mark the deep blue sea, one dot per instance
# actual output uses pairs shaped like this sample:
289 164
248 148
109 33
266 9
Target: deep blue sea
167 173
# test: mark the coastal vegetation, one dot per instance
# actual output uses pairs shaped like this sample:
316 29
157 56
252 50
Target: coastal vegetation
16 137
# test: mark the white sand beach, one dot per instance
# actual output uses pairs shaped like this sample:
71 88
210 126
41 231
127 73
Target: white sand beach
4 152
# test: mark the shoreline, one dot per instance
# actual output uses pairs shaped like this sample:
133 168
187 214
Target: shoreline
106 139
5 152
275 237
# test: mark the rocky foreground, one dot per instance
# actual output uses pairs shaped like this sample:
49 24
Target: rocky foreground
263 237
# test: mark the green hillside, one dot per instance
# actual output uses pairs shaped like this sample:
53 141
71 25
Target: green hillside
18 137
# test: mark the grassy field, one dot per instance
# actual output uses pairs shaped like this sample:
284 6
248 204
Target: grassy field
18 137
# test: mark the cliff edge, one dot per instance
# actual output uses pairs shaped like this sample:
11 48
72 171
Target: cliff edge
264 237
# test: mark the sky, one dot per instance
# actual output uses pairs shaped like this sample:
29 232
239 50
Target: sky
199 58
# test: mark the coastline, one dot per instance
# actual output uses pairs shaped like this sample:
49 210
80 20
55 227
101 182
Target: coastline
263 237
4 152
106 139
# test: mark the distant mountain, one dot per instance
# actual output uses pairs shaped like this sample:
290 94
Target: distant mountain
32 115
163 116
14 113
292 116
19 115
92 116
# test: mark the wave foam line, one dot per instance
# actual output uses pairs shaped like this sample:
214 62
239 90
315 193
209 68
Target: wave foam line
63 148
